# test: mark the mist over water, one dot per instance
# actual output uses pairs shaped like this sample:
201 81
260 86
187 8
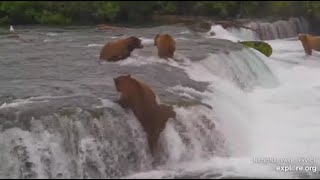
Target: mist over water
235 107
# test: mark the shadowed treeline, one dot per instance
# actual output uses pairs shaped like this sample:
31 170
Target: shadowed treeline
93 12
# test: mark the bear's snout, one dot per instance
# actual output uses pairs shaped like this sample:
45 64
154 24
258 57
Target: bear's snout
140 46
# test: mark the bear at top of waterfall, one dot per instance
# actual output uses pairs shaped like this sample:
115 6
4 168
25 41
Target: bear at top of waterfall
120 49
166 45
139 97
309 43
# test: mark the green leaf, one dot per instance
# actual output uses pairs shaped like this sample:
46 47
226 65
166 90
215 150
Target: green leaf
261 46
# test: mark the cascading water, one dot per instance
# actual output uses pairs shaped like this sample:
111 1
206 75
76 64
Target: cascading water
281 29
271 30
70 142
283 129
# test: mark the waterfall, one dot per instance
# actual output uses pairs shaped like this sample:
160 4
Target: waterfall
41 141
227 99
271 30
280 29
244 68
84 137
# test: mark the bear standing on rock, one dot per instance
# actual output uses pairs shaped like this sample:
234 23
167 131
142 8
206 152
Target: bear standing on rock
166 45
309 43
120 49
142 101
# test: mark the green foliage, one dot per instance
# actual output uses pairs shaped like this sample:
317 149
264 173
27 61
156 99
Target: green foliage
53 18
165 7
313 8
261 46
215 8
84 12
135 11
16 11
253 8
4 20
282 8
108 10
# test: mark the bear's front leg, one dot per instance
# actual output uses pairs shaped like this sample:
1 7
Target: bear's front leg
122 103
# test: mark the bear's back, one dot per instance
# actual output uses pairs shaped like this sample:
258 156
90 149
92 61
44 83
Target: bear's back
166 46
166 39
115 50
146 94
314 42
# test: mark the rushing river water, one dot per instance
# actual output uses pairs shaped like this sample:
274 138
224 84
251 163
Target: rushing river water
235 107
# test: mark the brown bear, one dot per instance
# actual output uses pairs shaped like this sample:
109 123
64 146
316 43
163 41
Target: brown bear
120 49
309 43
142 101
166 45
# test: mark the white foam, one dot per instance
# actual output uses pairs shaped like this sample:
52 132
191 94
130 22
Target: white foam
16 103
286 123
221 33
35 145
137 60
185 32
173 144
244 34
106 103
274 122
146 41
21 102
51 34
48 40
196 131
182 38
185 91
95 45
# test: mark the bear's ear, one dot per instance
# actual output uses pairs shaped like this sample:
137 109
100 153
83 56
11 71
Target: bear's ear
128 76
303 35
132 37
155 39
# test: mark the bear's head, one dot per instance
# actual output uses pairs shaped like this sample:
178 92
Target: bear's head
155 39
304 40
302 37
134 43
123 83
